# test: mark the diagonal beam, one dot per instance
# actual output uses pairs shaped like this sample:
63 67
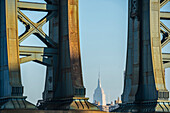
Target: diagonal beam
165 15
165 41
36 6
164 27
26 35
163 3
41 32
36 28
166 65
25 19
46 19
166 38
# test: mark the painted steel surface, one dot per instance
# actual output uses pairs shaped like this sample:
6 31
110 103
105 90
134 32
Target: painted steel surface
144 75
49 111
10 79
66 68
64 81
144 85
64 87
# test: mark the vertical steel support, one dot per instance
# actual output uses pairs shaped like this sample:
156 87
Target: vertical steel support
11 89
67 90
144 87
64 87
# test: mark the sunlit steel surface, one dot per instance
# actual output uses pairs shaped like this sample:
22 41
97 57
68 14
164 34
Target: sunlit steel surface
49 111
11 89
144 85
64 87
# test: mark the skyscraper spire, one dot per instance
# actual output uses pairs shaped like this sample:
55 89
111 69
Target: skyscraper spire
99 83
99 95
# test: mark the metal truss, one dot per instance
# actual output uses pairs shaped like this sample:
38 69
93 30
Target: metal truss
64 83
165 31
37 54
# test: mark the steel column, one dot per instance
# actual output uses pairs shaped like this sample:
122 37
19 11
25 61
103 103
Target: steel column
11 89
67 90
64 83
144 85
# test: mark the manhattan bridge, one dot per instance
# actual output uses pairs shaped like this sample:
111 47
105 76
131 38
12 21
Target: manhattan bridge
144 84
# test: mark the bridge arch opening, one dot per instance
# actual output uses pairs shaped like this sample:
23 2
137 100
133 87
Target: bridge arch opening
33 74
97 46
86 32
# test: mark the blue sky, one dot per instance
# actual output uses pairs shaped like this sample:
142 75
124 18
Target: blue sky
103 41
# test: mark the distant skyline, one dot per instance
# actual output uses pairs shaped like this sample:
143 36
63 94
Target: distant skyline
103 42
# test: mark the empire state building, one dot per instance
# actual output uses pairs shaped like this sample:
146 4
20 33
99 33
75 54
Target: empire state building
99 95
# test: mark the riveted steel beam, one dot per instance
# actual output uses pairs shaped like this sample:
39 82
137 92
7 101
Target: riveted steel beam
36 6
166 35
164 27
11 89
166 60
166 31
163 3
67 71
144 75
165 15
165 41
35 28
166 65
36 54
166 57
61 56
31 53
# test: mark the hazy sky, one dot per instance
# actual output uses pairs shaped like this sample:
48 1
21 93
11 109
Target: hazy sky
103 39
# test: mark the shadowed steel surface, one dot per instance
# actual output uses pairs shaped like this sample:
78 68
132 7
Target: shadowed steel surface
49 111
144 85
11 89
64 87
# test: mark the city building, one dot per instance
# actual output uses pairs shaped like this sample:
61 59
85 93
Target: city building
99 95
99 99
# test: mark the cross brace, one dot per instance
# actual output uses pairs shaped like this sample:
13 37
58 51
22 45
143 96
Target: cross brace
37 54
165 31
35 28
166 60
163 3
165 15
36 6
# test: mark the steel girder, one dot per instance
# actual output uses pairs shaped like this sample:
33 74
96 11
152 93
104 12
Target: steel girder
144 85
165 33
64 83
11 89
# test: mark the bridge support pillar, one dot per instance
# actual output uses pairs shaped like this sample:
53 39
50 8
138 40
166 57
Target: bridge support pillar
64 87
144 85
11 89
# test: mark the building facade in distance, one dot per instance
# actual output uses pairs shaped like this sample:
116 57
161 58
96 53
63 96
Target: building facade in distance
99 99
99 95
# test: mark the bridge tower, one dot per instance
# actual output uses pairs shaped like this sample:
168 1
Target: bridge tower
64 87
144 84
